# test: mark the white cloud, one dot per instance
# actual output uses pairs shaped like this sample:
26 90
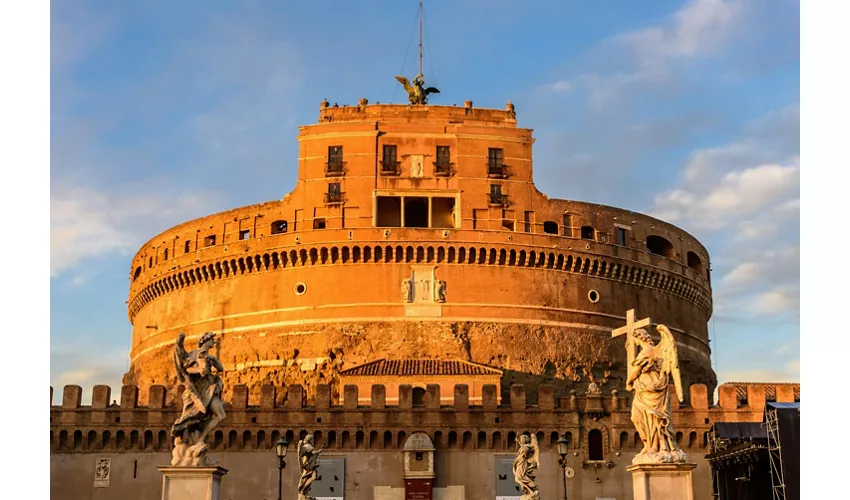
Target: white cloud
698 29
789 372
779 300
738 194
76 363
87 223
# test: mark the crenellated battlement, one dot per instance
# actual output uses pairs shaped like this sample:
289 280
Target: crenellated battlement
345 424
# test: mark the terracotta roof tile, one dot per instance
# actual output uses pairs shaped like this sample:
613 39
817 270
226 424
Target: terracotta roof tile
769 389
402 367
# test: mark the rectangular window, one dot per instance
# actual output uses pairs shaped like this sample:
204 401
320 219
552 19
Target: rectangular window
389 211
389 161
494 162
443 165
244 234
209 240
165 255
442 212
529 216
496 197
319 223
334 154
621 237
187 246
334 194
335 165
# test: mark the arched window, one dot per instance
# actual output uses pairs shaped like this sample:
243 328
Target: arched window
588 233
594 445
694 262
550 227
187 246
279 227
659 246
137 273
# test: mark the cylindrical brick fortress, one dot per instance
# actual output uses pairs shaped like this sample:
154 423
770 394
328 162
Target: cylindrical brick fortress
417 232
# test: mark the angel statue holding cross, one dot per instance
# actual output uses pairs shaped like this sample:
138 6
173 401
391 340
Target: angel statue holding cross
649 376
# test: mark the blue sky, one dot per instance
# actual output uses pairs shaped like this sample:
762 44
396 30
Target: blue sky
165 111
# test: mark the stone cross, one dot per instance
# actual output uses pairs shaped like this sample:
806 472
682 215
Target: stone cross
631 326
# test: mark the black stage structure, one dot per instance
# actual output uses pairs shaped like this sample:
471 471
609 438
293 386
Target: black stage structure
757 460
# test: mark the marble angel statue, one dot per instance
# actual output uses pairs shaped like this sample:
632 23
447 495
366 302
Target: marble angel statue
202 405
650 374
526 462
308 462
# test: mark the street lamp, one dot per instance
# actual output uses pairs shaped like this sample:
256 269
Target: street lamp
280 449
563 444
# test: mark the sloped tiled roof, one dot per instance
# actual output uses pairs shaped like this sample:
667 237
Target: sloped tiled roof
402 367
769 389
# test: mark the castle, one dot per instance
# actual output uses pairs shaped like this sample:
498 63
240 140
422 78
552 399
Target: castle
414 283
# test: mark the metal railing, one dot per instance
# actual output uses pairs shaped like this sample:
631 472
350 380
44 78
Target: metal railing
335 168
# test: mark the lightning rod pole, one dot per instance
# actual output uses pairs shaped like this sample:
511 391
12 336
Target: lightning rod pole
420 37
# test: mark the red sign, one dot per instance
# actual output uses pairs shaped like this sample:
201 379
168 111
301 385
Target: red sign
418 489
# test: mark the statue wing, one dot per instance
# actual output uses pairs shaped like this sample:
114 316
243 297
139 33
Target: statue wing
402 80
431 90
180 357
536 446
670 355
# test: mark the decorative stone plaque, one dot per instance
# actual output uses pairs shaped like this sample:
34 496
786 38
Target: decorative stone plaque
423 293
102 470
417 166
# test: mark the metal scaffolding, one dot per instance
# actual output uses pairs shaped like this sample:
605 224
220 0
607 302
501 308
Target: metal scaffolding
775 453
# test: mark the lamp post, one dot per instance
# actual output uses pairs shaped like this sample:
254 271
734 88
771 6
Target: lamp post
563 445
280 449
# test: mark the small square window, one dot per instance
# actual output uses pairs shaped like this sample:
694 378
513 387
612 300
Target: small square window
418 455
209 240
621 236
244 234
319 223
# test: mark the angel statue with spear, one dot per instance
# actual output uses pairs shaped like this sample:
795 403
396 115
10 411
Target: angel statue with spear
650 374
202 406
526 462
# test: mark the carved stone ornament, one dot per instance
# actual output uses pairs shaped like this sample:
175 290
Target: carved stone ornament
202 406
102 471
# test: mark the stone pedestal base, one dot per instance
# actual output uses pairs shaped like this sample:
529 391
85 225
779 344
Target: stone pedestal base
191 483
662 481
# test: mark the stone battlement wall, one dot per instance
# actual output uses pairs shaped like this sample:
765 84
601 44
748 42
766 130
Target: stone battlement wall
418 114
126 426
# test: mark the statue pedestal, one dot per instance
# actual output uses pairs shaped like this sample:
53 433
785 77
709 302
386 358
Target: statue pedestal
191 483
662 481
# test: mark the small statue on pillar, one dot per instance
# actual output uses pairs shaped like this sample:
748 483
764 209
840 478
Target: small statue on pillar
202 405
526 462
308 463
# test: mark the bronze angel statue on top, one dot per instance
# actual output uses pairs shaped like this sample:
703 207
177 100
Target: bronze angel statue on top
526 462
202 406
308 462
417 93
650 374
